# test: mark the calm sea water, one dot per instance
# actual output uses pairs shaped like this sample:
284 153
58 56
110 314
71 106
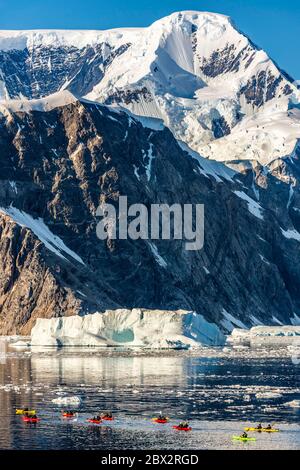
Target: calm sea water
218 392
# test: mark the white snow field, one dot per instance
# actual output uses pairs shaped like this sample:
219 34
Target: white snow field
266 336
155 329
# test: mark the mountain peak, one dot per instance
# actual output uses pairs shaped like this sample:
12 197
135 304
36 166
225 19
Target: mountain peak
214 25
195 16
194 70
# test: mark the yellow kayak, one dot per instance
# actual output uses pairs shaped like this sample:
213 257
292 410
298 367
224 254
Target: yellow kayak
261 430
243 439
23 412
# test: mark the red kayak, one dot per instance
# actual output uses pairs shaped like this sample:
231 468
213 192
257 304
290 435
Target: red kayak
107 419
68 415
95 421
179 428
28 419
160 421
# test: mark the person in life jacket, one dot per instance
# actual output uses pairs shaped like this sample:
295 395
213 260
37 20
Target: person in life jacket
184 424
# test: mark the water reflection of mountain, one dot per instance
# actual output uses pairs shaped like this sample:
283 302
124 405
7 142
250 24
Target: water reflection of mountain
15 375
115 370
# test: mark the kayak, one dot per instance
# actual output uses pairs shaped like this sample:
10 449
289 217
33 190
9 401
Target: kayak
107 419
244 439
68 415
160 421
261 430
21 411
95 421
27 419
178 428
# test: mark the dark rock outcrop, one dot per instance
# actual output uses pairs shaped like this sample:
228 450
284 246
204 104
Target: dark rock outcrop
44 70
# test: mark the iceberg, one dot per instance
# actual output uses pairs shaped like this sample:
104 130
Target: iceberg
153 329
266 336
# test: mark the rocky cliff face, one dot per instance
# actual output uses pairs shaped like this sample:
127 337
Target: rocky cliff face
55 169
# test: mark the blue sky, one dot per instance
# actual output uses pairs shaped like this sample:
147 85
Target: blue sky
272 24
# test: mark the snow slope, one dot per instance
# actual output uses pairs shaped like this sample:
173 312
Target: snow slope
56 100
271 133
62 98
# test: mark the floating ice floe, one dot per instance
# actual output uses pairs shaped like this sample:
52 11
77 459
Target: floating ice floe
20 344
293 404
74 400
267 395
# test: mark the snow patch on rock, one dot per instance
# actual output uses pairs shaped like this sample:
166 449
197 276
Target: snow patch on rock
291 234
159 259
253 206
230 322
39 228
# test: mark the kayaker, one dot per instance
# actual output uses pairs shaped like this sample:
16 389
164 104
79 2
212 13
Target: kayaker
244 435
259 426
269 426
183 424
68 413
161 417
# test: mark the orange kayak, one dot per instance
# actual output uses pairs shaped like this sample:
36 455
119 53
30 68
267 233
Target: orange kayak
28 419
179 428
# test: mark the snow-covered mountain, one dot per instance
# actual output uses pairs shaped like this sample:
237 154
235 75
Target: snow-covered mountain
216 91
